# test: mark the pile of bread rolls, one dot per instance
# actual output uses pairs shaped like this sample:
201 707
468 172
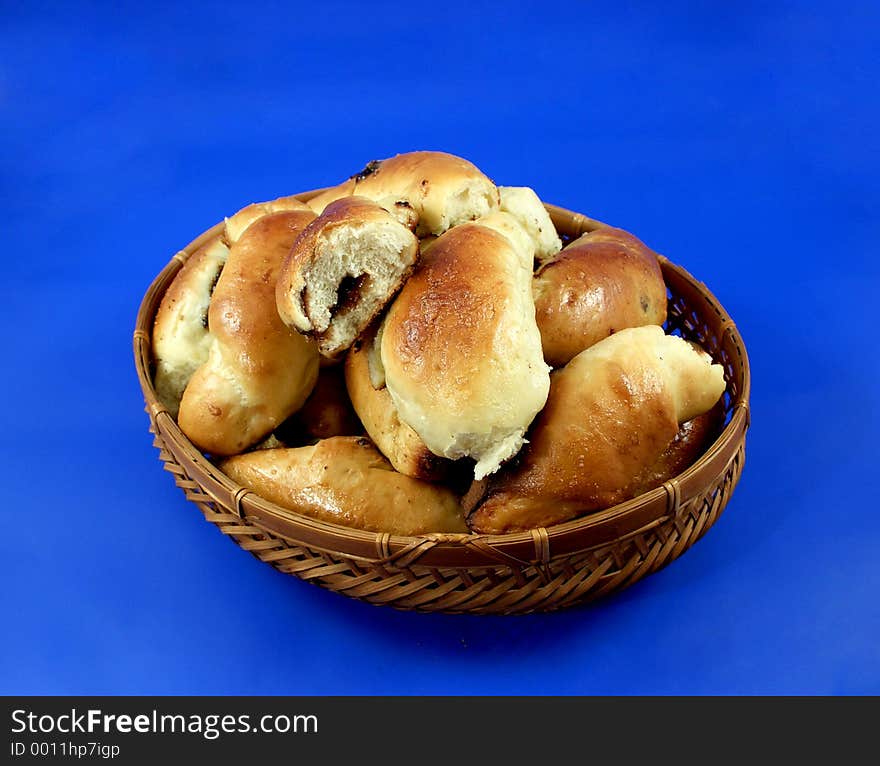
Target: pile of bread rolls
415 351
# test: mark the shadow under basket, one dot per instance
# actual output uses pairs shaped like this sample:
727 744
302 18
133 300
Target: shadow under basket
543 569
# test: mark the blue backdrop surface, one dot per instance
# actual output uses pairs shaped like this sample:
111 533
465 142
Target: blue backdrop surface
738 139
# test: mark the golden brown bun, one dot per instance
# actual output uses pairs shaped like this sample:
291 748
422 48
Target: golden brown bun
238 223
346 480
612 412
605 281
258 372
443 190
394 438
691 441
342 271
181 340
460 348
327 412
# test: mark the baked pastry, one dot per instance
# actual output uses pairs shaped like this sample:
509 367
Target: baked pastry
346 480
442 189
342 270
181 339
180 332
460 348
419 274
612 412
375 408
691 441
258 372
604 281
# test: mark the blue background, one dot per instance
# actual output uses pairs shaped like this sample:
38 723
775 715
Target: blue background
738 139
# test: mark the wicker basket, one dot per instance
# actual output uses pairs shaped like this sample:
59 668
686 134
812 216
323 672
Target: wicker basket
543 569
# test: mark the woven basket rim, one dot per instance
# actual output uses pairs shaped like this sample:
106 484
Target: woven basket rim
629 518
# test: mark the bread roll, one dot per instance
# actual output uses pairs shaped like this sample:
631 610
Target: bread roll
460 348
238 223
607 280
524 205
612 412
375 408
180 333
343 269
693 438
258 372
345 480
442 189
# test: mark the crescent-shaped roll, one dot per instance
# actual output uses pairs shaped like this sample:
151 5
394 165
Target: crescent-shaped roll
605 281
612 411
375 408
342 271
258 371
181 340
460 348
691 441
442 189
346 480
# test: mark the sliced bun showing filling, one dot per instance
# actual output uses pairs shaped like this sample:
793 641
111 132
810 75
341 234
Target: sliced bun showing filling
342 271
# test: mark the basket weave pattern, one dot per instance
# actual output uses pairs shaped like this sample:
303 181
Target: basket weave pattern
539 570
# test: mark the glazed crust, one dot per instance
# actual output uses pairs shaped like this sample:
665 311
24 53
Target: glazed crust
258 372
612 411
346 480
605 281
460 347
693 438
